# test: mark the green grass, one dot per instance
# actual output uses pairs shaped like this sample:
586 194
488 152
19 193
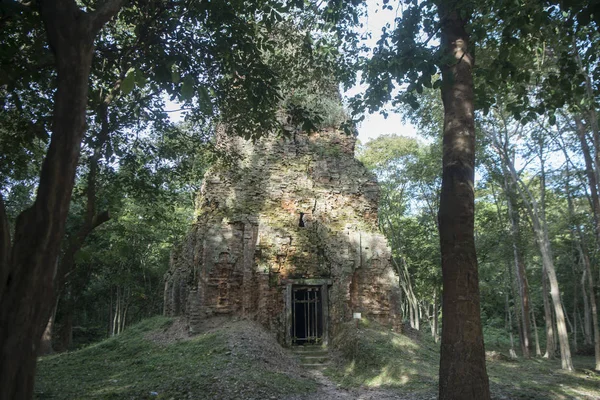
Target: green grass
131 367
540 379
374 357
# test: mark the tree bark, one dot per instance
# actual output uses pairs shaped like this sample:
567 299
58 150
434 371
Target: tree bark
538 351
27 287
463 372
548 320
65 332
581 246
590 173
520 273
46 347
509 327
435 317
563 338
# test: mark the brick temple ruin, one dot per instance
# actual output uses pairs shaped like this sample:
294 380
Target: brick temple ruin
286 235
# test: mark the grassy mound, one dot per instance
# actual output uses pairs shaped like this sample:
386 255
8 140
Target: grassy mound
370 356
375 357
234 361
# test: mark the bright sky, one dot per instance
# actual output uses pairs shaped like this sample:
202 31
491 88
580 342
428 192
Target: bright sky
375 124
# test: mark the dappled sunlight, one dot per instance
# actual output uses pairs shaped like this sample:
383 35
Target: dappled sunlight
379 358
403 341
388 377
540 378
350 368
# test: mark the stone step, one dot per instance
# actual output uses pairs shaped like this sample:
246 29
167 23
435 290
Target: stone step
312 356
308 348
311 353
315 366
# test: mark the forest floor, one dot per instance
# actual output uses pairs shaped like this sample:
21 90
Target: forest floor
235 359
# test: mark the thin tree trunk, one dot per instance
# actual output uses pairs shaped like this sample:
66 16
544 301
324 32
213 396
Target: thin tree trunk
521 276
509 328
550 345
46 342
592 119
575 299
538 218
65 333
538 350
590 173
575 314
463 372
116 321
435 317
581 248
563 338
417 315
125 309
587 322
594 316
110 315
592 300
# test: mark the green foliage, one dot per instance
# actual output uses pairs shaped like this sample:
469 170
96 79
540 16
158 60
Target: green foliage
409 179
151 198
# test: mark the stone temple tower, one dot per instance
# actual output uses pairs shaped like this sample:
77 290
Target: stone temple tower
286 235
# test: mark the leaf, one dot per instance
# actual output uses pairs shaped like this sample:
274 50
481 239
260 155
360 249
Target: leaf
187 89
140 78
175 76
205 101
129 82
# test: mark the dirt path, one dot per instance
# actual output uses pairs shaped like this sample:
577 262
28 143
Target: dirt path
328 390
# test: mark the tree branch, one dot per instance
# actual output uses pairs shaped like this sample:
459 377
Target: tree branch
104 13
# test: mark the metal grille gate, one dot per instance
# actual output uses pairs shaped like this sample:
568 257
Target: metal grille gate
307 315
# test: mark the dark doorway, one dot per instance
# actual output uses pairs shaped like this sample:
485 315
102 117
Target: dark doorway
307 315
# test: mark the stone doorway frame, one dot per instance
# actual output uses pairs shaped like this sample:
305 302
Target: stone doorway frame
324 284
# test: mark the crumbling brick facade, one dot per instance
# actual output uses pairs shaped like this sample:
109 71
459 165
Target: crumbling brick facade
289 213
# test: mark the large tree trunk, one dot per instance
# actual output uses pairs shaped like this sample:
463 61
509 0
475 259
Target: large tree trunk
463 372
27 289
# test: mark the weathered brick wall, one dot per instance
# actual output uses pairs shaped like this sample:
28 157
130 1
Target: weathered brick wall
296 208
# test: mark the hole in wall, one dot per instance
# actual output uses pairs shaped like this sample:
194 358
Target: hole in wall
301 221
